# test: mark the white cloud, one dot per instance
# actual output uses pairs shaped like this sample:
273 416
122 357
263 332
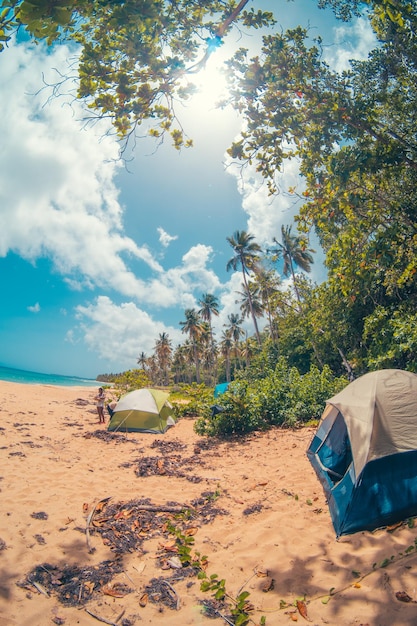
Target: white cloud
228 303
35 308
267 213
165 238
352 41
176 286
57 180
118 333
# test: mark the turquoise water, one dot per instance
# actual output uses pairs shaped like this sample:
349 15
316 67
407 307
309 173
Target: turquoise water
35 378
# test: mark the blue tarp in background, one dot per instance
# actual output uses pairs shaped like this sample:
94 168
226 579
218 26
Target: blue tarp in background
220 388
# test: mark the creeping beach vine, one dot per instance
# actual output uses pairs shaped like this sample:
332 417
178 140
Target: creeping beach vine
239 606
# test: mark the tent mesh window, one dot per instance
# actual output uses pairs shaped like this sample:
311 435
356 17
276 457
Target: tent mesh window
335 453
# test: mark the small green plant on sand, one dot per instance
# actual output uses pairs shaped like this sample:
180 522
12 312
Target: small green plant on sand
239 606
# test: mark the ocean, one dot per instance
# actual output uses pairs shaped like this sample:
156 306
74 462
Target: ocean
12 375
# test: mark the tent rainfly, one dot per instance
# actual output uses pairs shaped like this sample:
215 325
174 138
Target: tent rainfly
220 389
143 411
364 451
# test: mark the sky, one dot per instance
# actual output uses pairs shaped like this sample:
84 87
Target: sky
98 256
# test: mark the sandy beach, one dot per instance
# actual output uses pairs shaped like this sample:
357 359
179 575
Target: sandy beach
91 521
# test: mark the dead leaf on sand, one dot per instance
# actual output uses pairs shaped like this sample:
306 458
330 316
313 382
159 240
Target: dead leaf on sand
302 609
116 590
143 600
263 484
89 586
99 522
168 547
402 596
101 504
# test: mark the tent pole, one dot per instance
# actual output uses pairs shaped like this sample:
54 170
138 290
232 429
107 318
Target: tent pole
121 423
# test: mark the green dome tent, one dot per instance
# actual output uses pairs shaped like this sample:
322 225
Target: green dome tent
143 411
365 451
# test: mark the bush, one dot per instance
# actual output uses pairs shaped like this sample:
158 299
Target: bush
236 418
283 398
131 380
191 400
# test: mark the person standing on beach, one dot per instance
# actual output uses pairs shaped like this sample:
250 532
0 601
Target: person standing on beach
100 397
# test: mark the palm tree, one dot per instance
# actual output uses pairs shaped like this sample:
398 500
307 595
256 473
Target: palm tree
189 354
247 258
236 332
163 350
226 345
205 353
248 350
294 252
179 364
193 325
209 306
153 369
257 306
268 283
142 360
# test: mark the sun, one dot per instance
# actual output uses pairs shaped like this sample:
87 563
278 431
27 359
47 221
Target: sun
210 83
208 111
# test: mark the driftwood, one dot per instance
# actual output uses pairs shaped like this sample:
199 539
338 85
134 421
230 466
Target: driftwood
226 619
101 619
40 588
89 521
178 606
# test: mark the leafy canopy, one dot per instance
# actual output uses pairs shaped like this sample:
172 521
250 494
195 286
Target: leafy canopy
137 56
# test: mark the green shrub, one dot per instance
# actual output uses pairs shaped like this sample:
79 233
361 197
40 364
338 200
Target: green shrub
282 398
131 380
191 400
237 418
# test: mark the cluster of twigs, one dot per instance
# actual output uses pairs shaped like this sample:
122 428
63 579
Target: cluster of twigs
123 527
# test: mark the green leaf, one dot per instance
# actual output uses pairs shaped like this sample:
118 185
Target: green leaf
219 595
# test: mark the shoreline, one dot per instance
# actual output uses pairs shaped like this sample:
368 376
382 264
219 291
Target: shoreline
19 376
259 517
22 384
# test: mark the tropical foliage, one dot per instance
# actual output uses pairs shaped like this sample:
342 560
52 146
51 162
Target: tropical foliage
130 380
282 397
138 57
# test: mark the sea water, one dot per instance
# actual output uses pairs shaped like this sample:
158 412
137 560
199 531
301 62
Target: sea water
13 375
